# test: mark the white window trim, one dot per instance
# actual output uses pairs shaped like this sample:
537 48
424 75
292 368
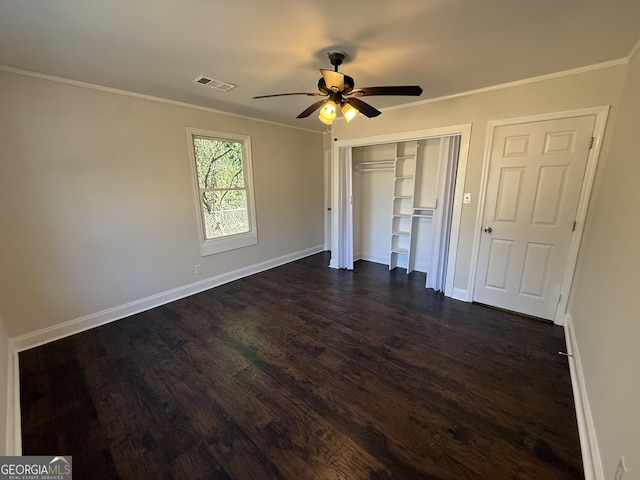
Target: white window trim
230 242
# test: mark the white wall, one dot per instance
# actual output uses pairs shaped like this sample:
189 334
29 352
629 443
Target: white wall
96 200
604 304
588 89
372 201
4 388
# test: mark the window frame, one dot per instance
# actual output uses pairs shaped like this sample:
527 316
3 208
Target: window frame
234 241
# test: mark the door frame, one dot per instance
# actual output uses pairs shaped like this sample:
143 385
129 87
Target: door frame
464 130
601 114
326 198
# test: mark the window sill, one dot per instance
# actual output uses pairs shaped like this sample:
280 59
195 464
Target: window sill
219 245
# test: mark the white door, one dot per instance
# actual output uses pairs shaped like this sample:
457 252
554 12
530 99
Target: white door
535 178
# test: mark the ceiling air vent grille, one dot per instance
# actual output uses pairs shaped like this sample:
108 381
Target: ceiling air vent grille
213 83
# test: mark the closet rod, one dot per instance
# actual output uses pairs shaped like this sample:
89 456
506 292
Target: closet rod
381 162
374 169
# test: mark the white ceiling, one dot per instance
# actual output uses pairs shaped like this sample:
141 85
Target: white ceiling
156 47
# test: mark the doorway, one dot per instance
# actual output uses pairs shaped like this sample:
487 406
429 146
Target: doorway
343 198
538 177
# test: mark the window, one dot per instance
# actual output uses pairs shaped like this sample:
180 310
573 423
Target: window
224 195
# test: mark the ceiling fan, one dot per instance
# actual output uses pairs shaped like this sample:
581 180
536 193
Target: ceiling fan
339 90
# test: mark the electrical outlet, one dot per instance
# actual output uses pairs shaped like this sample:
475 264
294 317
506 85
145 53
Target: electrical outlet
197 269
621 470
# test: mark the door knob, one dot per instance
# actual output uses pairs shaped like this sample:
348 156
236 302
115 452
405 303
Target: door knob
488 230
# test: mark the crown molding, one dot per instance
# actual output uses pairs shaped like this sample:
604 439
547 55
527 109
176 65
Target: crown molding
491 88
127 93
633 51
518 83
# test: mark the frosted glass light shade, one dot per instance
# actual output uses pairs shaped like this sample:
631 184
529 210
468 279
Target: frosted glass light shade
349 112
328 112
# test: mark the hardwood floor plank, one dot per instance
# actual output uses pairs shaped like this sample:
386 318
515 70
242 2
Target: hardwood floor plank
52 393
228 443
306 372
326 450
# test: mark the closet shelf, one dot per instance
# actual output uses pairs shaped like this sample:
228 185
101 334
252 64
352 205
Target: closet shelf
407 175
422 212
374 165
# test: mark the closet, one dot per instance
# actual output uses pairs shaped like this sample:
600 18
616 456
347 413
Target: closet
394 196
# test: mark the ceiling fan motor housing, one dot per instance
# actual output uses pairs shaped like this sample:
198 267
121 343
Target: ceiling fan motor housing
336 57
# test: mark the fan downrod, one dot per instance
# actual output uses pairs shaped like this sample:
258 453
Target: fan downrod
336 57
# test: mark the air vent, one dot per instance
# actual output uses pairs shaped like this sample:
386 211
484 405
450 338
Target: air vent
213 83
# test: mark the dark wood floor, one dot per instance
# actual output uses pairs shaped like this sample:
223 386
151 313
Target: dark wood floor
305 372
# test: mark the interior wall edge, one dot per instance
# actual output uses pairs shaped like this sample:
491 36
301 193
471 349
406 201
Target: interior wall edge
634 51
592 462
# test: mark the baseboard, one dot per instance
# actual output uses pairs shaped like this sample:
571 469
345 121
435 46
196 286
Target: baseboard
14 436
56 332
50 334
460 294
375 258
592 463
8 412
422 267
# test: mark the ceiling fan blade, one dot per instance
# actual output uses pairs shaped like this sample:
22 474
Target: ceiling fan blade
408 90
364 108
348 85
312 108
334 81
286 94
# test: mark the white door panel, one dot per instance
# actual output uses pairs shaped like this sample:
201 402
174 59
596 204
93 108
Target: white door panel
535 178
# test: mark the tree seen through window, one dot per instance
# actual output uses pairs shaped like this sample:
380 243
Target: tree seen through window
222 188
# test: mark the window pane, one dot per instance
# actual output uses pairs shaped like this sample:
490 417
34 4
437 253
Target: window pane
218 162
222 168
225 213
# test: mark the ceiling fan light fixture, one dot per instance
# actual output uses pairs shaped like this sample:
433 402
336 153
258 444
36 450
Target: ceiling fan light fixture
328 112
338 89
349 112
